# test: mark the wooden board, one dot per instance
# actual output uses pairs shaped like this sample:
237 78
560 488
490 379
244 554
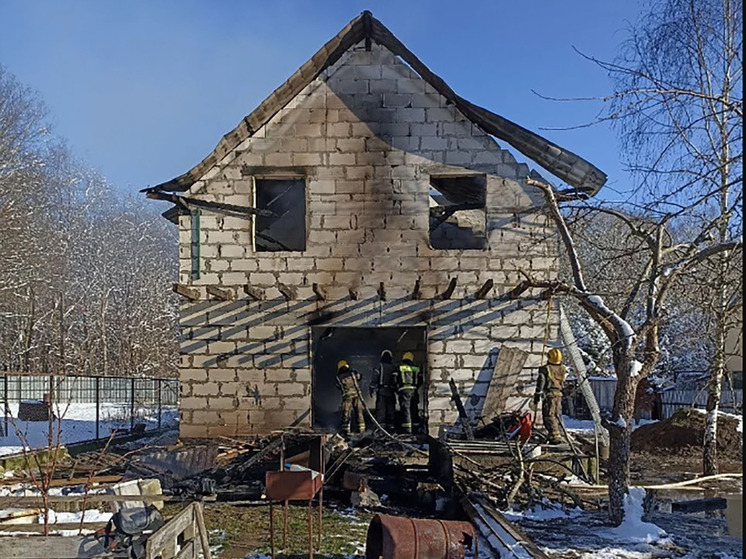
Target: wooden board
510 362
167 535
52 547
39 528
7 501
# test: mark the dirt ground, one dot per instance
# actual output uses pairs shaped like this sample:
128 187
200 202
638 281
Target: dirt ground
684 433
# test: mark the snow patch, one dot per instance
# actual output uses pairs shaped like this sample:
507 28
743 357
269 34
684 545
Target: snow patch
633 528
635 368
546 510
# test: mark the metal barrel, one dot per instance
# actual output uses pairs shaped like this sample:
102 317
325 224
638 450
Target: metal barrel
396 537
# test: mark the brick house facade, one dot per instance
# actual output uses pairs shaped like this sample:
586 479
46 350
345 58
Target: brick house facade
363 205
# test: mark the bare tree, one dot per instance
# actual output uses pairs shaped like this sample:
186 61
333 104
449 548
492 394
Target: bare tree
679 106
633 333
84 271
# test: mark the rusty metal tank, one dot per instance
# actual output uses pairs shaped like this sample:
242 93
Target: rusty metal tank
396 537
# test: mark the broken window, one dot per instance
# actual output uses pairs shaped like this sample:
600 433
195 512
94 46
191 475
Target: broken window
286 229
457 212
194 245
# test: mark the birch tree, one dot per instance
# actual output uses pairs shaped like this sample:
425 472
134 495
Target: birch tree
633 333
679 108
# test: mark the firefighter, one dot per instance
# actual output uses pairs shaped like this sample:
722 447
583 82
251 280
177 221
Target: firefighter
406 381
348 382
382 387
549 387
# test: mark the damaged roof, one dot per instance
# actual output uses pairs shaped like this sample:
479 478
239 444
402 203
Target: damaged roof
562 163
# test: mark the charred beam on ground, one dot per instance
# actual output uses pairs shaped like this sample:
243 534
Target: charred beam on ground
221 293
319 291
450 289
485 289
254 292
187 292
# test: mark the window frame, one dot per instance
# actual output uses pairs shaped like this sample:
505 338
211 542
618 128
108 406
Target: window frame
279 177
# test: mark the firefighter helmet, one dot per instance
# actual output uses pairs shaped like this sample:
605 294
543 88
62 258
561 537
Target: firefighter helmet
555 356
409 356
341 364
386 354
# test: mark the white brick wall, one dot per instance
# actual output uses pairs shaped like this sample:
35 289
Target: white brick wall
370 133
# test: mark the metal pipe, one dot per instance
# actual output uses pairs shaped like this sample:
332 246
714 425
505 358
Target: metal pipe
396 537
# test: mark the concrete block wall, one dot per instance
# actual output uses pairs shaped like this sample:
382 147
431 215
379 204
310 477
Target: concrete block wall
366 135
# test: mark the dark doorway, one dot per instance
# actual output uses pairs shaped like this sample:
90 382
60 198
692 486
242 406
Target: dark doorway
361 348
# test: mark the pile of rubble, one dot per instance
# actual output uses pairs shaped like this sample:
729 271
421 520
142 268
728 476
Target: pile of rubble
684 431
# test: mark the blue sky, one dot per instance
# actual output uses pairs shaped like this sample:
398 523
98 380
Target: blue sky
143 90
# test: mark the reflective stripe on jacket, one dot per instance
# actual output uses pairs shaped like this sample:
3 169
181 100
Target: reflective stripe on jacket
407 377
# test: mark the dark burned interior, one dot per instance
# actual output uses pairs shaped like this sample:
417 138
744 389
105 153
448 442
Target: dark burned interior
457 212
286 229
361 348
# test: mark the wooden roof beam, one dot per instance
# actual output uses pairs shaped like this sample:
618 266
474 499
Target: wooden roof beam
186 292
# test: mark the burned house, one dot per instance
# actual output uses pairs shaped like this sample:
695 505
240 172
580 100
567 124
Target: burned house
363 205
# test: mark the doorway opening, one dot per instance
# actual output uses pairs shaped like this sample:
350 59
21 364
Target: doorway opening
361 348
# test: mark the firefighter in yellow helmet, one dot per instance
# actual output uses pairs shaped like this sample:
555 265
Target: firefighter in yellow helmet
549 387
348 382
407 380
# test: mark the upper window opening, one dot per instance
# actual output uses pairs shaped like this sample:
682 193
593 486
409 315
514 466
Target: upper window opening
286 229
457 212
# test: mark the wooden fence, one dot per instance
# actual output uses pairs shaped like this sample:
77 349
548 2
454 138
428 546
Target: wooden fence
672 400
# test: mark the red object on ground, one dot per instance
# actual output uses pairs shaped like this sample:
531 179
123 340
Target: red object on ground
522 428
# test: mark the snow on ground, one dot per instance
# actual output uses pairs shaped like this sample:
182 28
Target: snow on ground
585 426
78 424
576 534
634 528
90 515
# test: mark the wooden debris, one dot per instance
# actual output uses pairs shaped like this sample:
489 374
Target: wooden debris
462 416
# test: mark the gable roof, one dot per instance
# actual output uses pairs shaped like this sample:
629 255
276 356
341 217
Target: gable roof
566 165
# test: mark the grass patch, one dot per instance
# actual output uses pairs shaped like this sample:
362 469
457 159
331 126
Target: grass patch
243 531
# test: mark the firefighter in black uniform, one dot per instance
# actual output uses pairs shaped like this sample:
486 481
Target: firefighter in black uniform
407 380
382 387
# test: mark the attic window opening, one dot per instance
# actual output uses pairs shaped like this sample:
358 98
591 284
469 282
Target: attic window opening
286 230
458 218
